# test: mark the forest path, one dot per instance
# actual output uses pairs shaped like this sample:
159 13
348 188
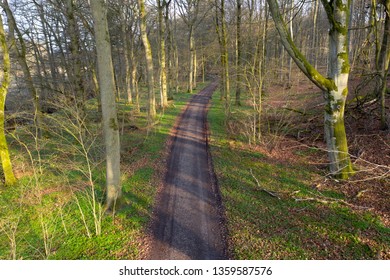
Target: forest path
187 220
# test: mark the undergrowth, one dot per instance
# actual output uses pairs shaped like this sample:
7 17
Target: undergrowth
274 212
55 210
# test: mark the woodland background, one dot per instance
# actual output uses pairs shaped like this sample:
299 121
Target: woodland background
267 125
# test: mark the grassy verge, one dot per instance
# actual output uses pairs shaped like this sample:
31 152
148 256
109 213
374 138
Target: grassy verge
282 216
54 212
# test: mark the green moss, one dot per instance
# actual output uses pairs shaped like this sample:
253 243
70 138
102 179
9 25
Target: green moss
341 6
345 68
313 74
345 92
346 169
337 26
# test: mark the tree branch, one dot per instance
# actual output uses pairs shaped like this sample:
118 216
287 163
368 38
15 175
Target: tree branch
319 80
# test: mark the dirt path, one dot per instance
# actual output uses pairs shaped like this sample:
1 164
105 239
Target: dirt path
187 215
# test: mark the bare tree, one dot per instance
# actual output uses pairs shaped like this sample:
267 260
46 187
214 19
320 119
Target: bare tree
21 52
189 12
149 61
162 6
76 74
220 19
335 86
107 95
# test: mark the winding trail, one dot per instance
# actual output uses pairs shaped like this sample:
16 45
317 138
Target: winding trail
188 221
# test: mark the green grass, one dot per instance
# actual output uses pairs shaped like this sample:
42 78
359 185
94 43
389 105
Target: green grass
49 215
261 226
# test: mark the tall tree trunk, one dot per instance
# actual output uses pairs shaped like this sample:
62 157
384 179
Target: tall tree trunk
225 56
76 75
134 78
135 86
290 25
163 69
335 87
126 58
107 94
9 176
238 53
191 41
169 41
203 67
262 67
21 55
222 35
383 65
49 49
314 46
149 62
338 72
195 72
175 49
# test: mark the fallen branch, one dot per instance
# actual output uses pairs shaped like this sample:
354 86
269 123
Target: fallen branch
361 193
295 111
329 200
320 199
273 194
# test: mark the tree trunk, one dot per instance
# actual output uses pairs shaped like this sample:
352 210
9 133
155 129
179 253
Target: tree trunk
149 62
203 68
314 46
163 68
338 71
195 73
134 79
191 49
126 59
225 56
335 86
290 61
107 94
238 53
175 49
262 68
9 176
21 55
383 66
76 75
222 35
169 60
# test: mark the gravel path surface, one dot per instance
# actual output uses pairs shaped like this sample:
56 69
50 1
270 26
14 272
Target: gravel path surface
188 220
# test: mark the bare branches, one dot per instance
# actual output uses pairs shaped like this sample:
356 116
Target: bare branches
271 193
319 198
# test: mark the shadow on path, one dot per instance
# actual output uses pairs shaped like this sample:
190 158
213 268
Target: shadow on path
187 222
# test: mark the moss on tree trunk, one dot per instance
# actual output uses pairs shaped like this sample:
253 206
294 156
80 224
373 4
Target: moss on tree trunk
9 176
335 85
336 139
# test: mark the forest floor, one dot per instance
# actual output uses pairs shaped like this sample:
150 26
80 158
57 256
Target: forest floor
187 213
280 201
369 146
54 211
